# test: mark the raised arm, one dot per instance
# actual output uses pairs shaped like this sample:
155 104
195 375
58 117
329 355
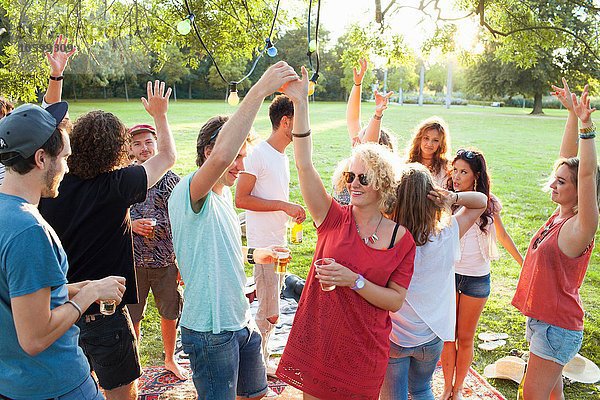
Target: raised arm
157 106
506 240
373 131
234 132
353 107
57 60
313 191
38 326
568 146
246 200
473 205
585 222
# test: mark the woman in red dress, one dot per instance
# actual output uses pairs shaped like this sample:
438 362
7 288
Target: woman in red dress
338 346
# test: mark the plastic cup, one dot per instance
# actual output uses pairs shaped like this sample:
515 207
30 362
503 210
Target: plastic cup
108 307
283 258
153 225
318 264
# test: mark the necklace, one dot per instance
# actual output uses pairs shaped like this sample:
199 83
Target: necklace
373 238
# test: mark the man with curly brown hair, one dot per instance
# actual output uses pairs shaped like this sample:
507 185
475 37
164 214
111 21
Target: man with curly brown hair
91 217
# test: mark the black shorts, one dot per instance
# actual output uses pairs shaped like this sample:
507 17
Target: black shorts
110 346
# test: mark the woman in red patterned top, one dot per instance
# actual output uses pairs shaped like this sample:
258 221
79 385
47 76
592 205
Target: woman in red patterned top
338 347
558 256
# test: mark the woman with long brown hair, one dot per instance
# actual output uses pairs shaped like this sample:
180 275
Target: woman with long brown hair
473 283
421 326
429 146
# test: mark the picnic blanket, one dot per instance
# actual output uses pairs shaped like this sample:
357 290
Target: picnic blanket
157 383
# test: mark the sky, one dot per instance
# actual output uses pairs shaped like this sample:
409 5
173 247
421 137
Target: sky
337 15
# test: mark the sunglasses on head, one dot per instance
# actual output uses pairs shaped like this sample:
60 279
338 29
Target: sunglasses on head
466 153
350 176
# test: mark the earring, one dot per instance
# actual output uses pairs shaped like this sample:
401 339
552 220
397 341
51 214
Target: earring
475 186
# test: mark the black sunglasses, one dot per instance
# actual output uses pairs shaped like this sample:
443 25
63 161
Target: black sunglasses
350 176
466 153
541 236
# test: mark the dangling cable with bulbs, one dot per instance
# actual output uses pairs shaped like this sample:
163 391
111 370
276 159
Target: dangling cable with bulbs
313 47
269 48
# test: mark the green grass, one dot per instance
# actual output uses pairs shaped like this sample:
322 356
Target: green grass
520 150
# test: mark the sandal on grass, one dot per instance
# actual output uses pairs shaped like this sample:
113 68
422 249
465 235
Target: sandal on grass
492 336
489 346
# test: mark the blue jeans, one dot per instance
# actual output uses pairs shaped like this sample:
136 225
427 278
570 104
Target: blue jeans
410 369
552 342
226 364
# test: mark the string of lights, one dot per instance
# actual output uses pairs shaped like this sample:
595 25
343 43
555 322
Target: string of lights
185 26
313 48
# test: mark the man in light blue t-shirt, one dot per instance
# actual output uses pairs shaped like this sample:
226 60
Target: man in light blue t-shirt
39 354
224 349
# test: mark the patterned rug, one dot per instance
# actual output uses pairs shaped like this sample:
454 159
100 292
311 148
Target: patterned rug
157 383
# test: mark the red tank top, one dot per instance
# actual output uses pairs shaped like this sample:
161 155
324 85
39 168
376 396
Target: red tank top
548 287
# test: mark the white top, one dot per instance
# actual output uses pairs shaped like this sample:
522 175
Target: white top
430 306
479 248
272 171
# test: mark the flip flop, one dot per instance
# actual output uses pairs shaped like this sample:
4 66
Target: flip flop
492 336
489 346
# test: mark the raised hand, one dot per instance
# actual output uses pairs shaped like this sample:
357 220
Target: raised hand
58 59
274 78
297 89
359 74
157 103
381 102
564 95
582 108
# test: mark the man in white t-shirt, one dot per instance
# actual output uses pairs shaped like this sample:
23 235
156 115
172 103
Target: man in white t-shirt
263 190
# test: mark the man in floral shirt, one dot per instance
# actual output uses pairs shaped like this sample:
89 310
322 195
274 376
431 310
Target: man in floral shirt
155 263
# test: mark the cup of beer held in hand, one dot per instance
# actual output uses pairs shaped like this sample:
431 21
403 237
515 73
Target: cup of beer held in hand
318 264
108 307
283 259
152 222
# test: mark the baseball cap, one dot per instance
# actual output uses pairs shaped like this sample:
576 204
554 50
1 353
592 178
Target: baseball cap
29 126
141 128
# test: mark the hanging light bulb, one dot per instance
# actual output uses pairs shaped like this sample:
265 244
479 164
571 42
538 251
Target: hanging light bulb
184 27
312 46
312 83
233 99
271 49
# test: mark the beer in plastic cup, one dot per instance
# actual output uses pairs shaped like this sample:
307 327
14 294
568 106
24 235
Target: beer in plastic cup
283 258
153 225
318 264
108 307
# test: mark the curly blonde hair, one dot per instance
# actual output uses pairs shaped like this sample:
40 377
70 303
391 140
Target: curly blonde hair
99 143
440 158
380 164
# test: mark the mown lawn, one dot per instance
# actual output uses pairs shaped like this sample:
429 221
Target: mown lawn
520 150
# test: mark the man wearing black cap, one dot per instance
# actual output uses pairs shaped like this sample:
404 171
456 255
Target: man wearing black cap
91 218
39 355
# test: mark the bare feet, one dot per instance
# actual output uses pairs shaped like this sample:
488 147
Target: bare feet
447 394
457 393
176 369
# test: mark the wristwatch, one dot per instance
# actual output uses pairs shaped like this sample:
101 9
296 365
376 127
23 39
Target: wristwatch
359 283
250 255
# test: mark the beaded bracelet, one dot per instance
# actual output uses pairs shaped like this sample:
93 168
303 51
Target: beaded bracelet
377 117
589 129
589 135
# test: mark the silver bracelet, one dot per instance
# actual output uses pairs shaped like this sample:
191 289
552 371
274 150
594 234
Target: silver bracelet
71 302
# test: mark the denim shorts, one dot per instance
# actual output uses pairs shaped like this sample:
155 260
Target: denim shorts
473 286
226 364
551 342
110 346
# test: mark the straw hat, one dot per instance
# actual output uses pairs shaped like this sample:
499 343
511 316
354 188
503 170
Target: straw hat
508 367
580 369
